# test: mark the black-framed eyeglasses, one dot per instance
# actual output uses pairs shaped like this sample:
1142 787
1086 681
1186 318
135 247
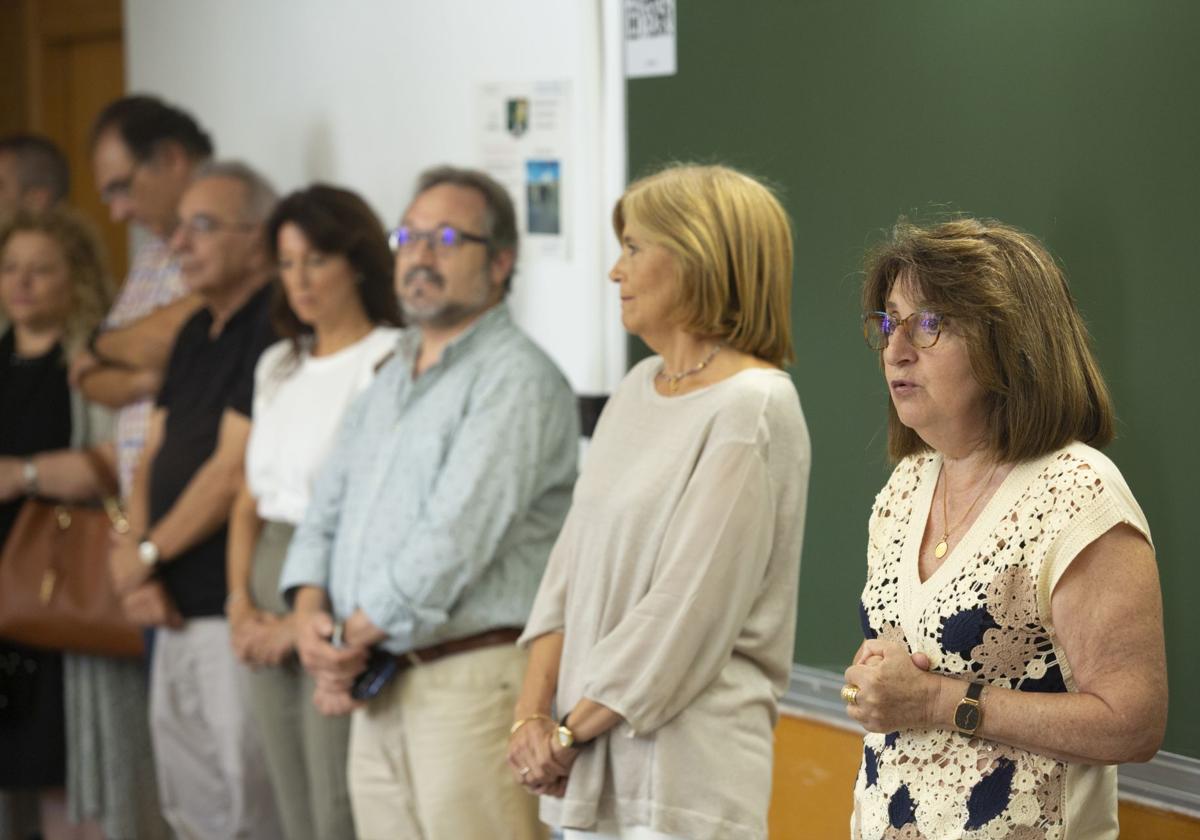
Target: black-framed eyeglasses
202 223
442 240
118 187
924 328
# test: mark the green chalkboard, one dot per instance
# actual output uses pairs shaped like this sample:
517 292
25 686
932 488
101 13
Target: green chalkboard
1078 120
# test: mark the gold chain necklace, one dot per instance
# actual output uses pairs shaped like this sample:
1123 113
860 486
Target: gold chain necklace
939 550
673 379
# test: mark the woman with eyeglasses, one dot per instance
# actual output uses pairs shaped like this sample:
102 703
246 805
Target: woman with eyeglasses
336 310
661 637
1012 614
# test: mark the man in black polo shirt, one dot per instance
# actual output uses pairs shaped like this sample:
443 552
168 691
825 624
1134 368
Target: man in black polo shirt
212 778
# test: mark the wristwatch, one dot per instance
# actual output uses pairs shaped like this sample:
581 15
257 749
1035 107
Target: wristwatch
29 474
566 738
968 714
148 553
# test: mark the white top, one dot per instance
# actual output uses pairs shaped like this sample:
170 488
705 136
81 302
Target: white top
674 585
984 616
298 405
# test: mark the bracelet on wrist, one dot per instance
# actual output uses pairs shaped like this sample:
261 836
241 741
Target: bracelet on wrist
513 729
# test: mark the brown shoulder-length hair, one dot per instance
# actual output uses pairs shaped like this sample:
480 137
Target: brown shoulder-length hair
1002 292
732 243
336 221
91 284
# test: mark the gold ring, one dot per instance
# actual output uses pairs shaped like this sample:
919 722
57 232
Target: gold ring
850 694
524 771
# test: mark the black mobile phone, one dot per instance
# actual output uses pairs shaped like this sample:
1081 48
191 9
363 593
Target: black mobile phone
381 667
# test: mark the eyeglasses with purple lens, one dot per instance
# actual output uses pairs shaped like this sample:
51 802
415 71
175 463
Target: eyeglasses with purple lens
924 328
442 239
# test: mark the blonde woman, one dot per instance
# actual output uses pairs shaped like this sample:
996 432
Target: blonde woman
73 728
661 637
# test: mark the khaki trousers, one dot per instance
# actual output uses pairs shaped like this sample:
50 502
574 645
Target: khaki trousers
427 756
305 750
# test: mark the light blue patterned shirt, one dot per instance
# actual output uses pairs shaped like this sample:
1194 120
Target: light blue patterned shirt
439 503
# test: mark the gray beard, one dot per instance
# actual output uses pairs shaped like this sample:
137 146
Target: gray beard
443 317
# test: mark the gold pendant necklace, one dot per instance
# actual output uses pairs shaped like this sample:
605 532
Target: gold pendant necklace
939 550
673 379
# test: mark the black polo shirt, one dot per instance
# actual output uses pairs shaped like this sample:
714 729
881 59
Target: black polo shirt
206 375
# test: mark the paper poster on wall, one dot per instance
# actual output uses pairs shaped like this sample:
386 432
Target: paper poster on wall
524 138
649 38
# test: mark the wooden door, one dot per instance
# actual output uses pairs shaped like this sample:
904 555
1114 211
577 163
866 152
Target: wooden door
67 64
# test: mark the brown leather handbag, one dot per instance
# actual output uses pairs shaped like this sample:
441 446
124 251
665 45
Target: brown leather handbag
55 588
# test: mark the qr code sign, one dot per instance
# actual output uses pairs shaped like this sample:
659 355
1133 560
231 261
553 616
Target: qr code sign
649 19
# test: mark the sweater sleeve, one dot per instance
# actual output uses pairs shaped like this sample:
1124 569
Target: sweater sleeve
548 614
709 574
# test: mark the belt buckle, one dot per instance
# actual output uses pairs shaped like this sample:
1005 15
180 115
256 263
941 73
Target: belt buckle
413 659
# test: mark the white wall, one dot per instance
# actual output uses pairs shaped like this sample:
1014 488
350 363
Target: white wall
366 93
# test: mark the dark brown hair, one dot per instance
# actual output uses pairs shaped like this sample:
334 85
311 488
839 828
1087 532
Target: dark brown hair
40 163
146 122
336 221
1029 349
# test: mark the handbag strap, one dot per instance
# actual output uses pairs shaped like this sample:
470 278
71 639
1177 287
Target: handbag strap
102 473
110 488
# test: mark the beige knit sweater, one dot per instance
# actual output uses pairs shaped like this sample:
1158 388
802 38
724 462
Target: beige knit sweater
674 583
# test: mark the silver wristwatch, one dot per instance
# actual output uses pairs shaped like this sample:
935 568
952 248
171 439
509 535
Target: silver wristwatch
148 553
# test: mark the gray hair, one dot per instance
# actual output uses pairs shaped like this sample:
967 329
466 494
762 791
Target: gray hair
260 195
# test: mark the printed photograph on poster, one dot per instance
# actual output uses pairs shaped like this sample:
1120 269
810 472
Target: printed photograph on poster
542 196
518 116
524 143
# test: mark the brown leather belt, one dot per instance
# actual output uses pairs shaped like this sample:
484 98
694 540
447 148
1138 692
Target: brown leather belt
488 638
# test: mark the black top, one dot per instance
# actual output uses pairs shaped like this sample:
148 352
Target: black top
35 416
36 413
206 375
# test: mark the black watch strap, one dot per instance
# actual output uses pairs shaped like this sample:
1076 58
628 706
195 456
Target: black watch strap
968 714
578 744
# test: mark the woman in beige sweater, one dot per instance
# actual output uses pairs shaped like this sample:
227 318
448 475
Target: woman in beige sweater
661 637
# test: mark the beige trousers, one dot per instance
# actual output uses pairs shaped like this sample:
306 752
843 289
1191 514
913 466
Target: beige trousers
427 756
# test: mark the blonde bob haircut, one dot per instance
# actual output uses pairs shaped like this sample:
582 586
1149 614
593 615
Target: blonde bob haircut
732 244
90 284
1002 292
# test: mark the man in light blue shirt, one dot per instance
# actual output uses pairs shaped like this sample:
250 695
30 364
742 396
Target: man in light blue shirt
429 529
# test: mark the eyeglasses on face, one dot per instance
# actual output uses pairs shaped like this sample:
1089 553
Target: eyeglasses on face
202 224
120 187
442 240
924 328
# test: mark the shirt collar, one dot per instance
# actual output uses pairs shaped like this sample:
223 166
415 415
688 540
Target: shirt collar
494 320
253 305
